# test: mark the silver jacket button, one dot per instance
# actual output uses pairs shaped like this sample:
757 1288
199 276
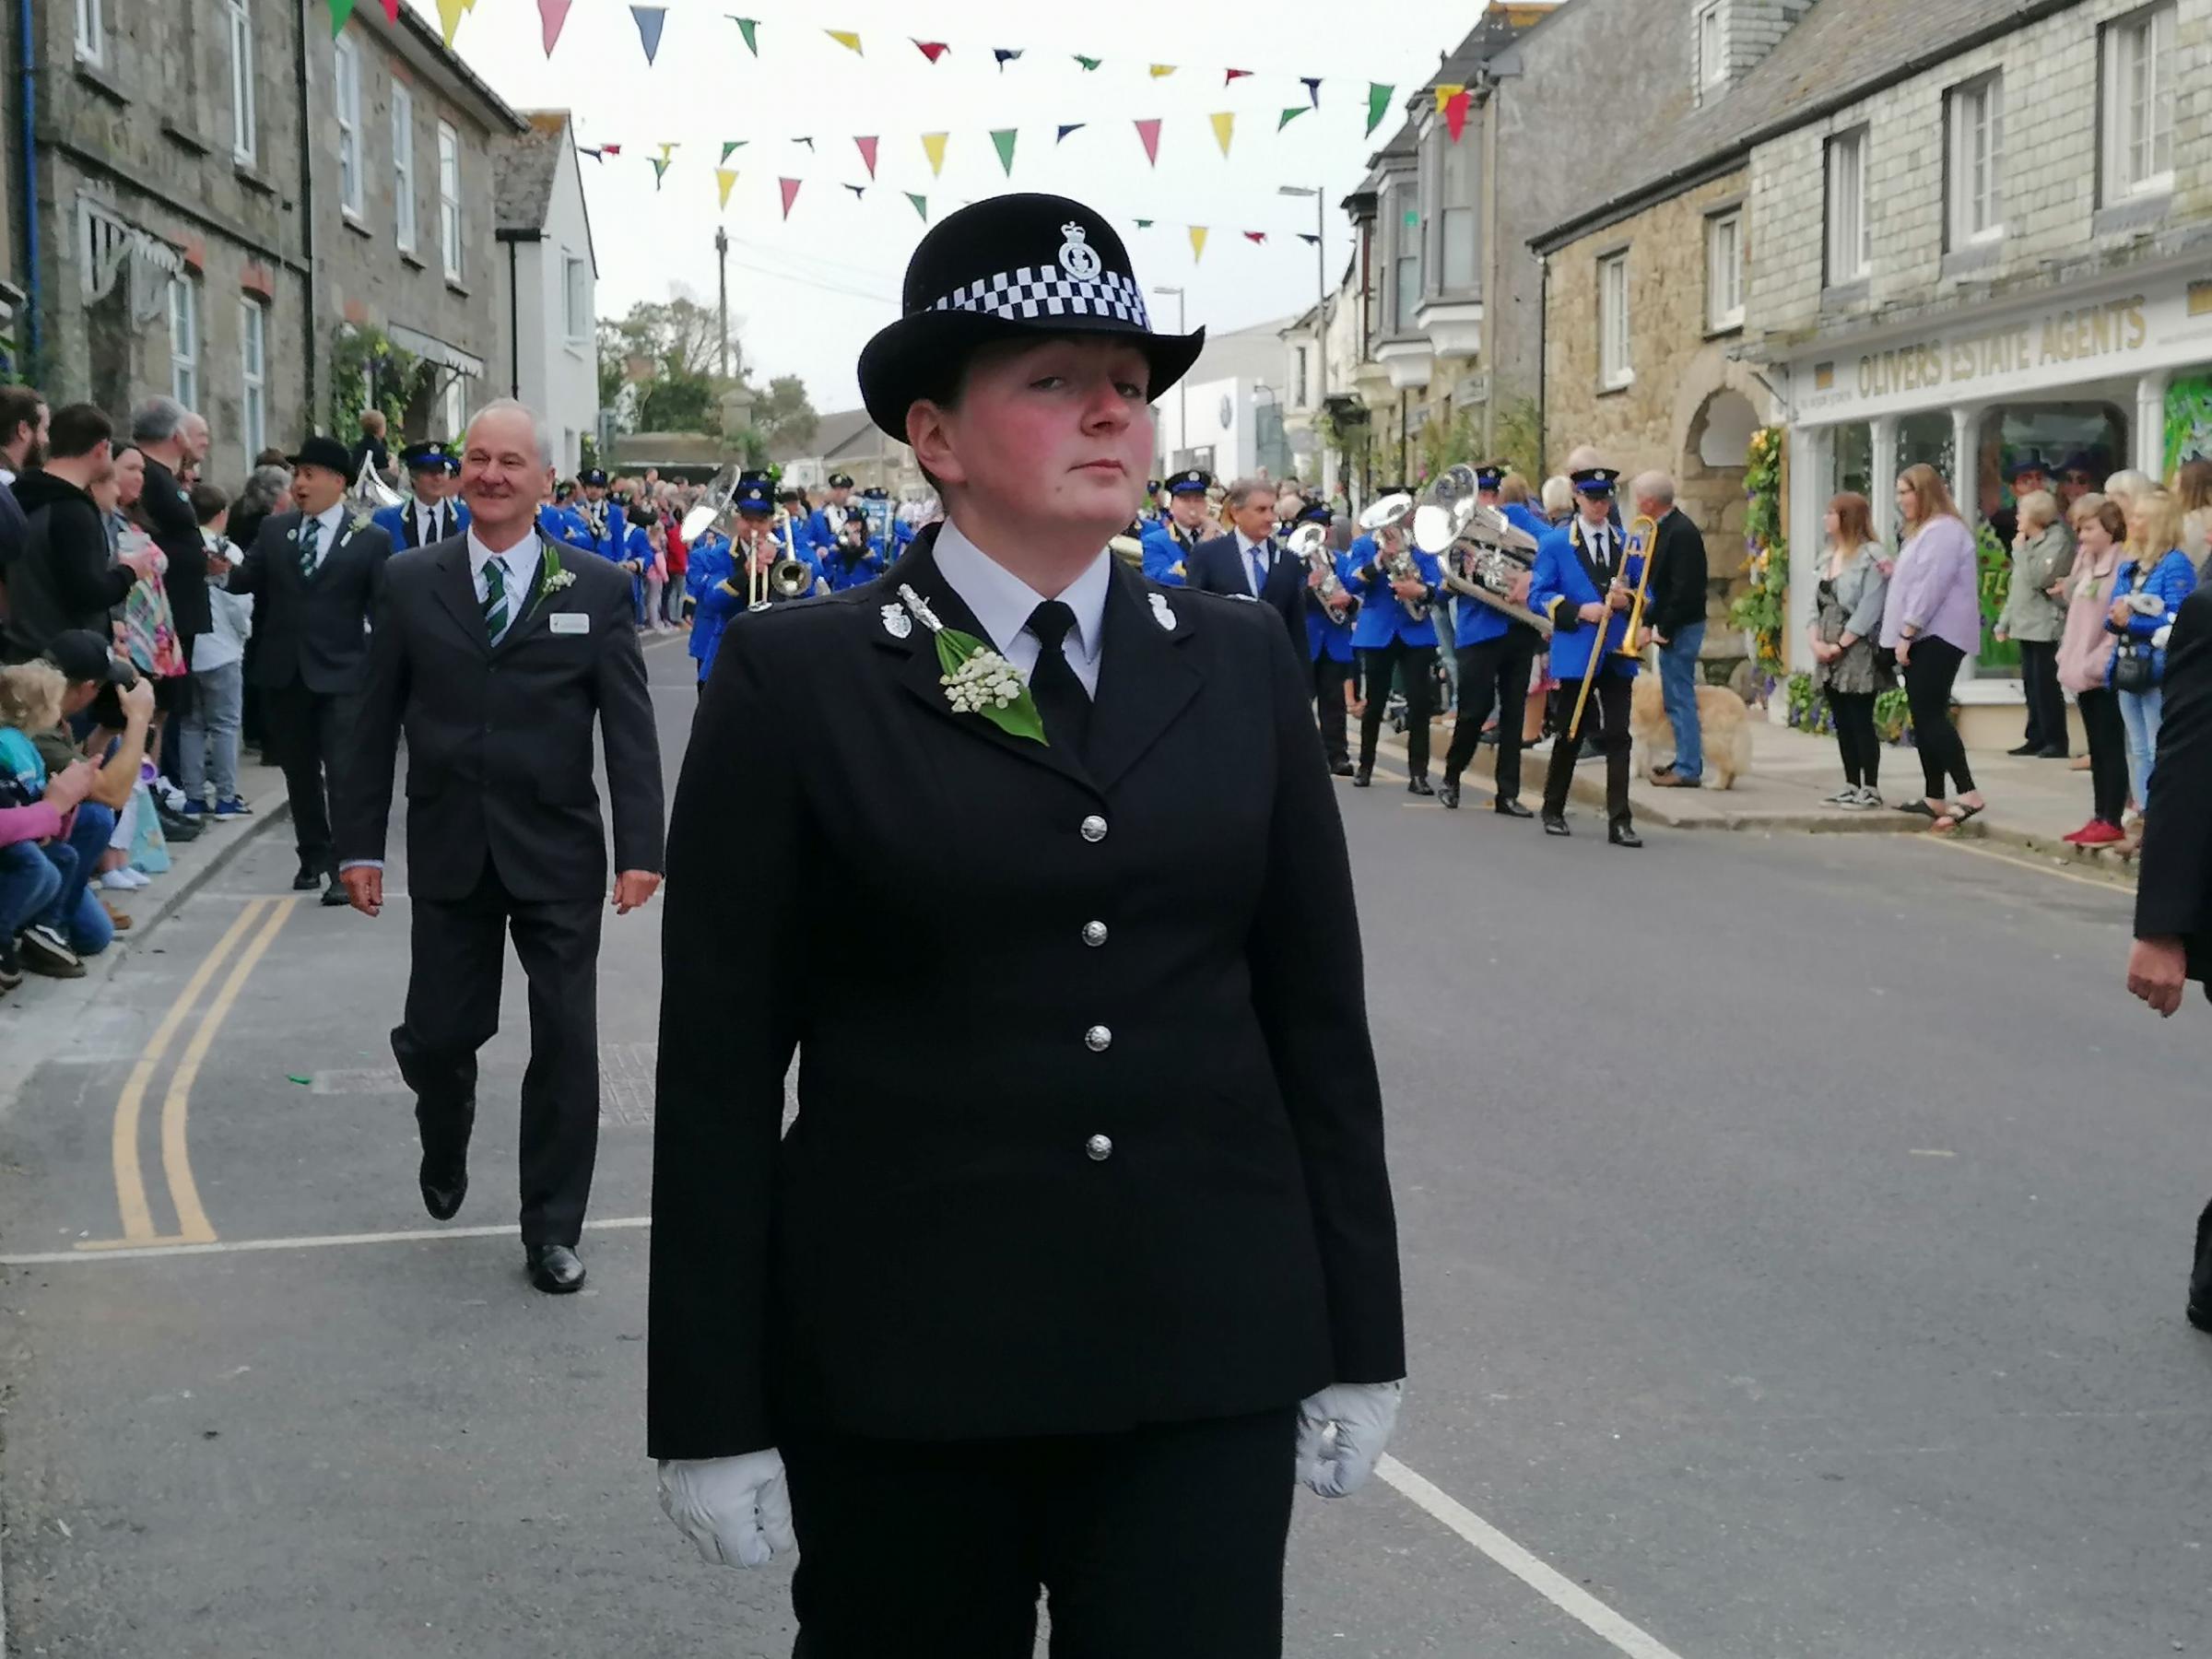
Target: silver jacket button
1099 1148
1094 828
1094 934
1100 1039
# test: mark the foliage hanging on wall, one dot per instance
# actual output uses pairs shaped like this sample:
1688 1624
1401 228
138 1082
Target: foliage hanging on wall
1759 611
367 369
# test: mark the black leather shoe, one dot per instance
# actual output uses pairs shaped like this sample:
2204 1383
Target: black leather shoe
334 895
307 881
2052 754
444 1182
1341 768
1449 793
1622 833
2026 749
1512 809
1363 780
1420 786
2200 1316
1556 825
175 826
555 1269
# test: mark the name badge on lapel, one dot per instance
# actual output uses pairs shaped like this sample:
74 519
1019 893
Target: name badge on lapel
569 622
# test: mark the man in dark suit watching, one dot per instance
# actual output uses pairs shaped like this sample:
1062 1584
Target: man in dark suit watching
1675 611
314 572
497 655
1250 561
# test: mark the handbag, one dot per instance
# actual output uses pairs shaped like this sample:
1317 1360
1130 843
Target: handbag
2135 668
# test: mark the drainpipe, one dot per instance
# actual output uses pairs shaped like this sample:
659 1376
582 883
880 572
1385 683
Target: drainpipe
1543 365
26 46
514 327
310 339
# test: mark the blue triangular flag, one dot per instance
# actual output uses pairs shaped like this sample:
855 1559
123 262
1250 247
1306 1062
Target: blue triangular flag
1314 86
1308 238
1073 127
649 21
1006 55
858 191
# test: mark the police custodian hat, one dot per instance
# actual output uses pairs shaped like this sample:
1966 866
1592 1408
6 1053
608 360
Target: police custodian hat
1013 268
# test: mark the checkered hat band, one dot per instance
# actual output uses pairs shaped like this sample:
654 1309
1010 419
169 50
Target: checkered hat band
1036 292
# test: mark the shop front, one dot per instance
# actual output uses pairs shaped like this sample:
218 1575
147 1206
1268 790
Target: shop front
2101 378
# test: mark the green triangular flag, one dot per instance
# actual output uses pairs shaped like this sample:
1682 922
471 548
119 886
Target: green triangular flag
746 26
339 11
1088 64
921 205
1290 115
660 167
1004 139
1378 105
1144 224
734 143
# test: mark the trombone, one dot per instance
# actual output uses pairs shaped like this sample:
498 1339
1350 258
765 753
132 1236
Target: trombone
787 578
1636 558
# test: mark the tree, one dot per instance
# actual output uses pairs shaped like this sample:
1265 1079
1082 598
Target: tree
784 415
679 402
679 343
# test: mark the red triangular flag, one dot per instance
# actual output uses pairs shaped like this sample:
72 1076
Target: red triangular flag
791 194
612 149
868 153
392 13
1456 114
1255 236
1150 132
933 50
1233 75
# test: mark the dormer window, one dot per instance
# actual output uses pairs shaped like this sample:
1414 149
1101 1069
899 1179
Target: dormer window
1713 57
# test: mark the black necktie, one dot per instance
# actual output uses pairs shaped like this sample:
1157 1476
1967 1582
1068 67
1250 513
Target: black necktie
1060 695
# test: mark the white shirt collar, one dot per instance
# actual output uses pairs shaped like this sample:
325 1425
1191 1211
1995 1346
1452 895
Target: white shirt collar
519 561
1001 600
1246 545
329 519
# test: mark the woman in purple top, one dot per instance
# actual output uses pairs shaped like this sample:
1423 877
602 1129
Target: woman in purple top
1934 623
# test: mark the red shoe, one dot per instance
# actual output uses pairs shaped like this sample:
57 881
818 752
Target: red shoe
2096 834
2073 839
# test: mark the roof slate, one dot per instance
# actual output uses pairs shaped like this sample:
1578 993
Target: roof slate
523 168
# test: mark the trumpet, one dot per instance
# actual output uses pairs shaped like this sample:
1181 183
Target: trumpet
1385 521
1311 543
1636 558
1485 555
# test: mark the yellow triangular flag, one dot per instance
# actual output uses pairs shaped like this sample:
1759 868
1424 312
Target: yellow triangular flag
724 178
1445 95
1197 242
1225 125
450 13
933 145
1161 71
668 150
846 37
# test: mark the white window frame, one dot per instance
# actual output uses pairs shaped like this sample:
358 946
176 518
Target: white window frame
1404 248
91 31
1712 46
244 139
1850 237
346 104
1724 271
2138 61
252 374
185 341
449 222
403 167
1616 359
576 296
453 404
1456 214
1299 379
1974 117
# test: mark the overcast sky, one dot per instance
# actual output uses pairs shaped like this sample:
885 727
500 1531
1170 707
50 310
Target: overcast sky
808 292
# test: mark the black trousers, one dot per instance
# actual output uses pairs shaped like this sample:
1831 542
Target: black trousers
2108 753
1495 672
1856 736
1929 674
1607 717
310 730
1328 704
1417 665
2046 698
459 947
1160 1543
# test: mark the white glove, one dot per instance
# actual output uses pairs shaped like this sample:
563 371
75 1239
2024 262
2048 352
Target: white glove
737 1509
1341 1433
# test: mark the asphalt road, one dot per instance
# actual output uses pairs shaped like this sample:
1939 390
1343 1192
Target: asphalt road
1796 1236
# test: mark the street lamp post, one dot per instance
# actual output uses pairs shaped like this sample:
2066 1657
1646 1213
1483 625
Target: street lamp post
1321 321
1182 390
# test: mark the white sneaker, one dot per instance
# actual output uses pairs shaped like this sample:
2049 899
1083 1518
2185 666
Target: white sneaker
1861 800
124 880
1843 796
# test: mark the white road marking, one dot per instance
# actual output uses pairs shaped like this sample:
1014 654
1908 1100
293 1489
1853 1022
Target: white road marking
323 1241
1571 1598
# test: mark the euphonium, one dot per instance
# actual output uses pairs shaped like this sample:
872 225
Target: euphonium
1311 543
1485 555
1385 521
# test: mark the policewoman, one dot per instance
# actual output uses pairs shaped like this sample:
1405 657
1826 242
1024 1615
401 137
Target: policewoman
1581 583
1080 1250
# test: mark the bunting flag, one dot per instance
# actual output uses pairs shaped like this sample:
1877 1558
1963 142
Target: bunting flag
1289 115
1073 127
668 150
1088 64
933 145
921 205
807 142
1150 132
1378 105
791 194
1197 243
1312 86
1455 112
933 50
724 178
450 13
1309 238
391 12
1258 237
1225 125
1445 92
847 39
1006 55
867 154
1231 77
750 29
1161 71
859 192
612 149
730 147
1144 224
1003 138
596 154
660 169
552 14
339 11
648 18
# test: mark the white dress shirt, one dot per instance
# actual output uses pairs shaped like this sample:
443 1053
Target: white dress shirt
425 516
1246 548
517 570
327 523
1002 603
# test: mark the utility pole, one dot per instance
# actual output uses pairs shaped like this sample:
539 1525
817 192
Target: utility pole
721 283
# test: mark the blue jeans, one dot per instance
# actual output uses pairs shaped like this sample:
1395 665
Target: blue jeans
1679 690
78 910
207 736
2140 713
28 881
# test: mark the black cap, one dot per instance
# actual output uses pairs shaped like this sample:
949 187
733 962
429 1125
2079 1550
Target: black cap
326 452
1596 481
840 481
875 492
1316 513
1196 481
1013 268
430 456
1491 474
82 655
593 476
751 499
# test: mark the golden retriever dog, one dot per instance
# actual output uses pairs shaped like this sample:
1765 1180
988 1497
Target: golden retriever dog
1722 722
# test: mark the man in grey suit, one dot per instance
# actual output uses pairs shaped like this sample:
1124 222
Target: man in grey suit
497 654
314 573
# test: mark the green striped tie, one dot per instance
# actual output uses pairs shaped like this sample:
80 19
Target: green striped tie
495 600
310 530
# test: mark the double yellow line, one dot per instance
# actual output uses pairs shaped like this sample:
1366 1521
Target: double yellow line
176 1161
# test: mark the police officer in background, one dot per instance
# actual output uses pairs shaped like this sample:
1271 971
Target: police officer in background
1170 543
1390 638
433 515
1581 583
1329 648
1019 1302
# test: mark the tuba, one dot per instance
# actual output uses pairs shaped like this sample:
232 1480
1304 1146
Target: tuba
1385 521
370 493
1311 543
1485 555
